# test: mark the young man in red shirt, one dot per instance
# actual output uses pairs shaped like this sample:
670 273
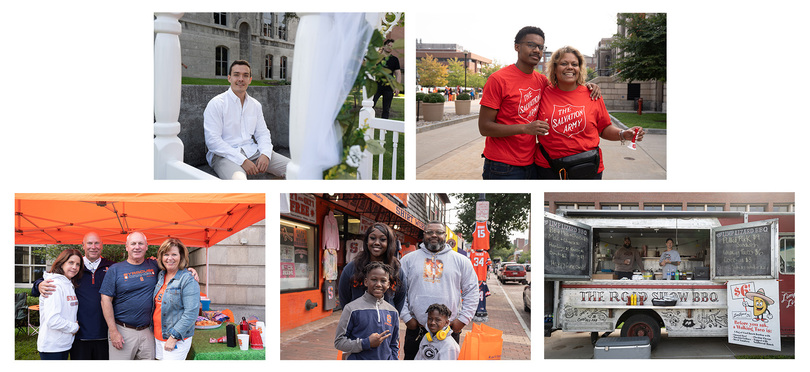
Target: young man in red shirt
509 110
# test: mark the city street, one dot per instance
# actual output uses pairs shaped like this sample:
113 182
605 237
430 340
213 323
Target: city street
315 341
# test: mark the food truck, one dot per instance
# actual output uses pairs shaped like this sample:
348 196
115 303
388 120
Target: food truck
724 257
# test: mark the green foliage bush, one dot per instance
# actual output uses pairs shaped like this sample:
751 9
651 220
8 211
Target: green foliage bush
434 98
463 97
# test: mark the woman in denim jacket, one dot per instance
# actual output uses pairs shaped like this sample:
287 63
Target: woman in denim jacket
177 302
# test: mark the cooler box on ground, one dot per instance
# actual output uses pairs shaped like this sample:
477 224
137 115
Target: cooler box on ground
622 348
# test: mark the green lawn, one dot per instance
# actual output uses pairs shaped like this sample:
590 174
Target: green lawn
25 346
645 120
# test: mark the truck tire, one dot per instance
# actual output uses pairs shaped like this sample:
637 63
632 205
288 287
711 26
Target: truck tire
642 325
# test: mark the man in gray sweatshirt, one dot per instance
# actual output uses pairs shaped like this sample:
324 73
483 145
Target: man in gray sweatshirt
435 273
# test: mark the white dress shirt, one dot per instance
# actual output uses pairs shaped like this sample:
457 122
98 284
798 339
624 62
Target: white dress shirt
229 128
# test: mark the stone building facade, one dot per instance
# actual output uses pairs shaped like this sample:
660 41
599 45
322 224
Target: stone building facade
209 42
236 272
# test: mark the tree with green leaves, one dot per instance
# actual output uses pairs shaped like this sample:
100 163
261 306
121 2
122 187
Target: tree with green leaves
432 73
507 213
642 51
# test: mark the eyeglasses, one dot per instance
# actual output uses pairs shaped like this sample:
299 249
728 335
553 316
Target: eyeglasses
434 232
533 45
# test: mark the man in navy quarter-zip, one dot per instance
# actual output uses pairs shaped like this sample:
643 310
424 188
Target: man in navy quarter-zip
90 342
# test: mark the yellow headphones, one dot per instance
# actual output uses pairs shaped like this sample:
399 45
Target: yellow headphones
441 335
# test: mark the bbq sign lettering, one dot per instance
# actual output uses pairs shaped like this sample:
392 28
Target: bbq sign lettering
645 295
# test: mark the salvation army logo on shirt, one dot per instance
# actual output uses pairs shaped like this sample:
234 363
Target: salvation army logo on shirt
568 120
529 103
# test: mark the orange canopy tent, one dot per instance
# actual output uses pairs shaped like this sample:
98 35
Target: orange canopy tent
199 220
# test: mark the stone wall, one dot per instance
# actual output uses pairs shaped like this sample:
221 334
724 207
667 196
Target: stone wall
236 272
614 92
275 105
200 37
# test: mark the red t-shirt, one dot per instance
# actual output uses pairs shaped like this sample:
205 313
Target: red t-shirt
516 96
576 123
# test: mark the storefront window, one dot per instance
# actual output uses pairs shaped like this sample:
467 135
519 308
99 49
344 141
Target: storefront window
299 256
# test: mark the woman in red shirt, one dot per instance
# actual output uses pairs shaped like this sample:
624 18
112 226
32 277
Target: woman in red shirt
569 147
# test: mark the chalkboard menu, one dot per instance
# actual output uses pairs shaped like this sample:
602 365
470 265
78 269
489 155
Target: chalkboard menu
745 250
567 250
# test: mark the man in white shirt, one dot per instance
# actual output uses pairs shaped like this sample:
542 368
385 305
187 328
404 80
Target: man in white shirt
236 134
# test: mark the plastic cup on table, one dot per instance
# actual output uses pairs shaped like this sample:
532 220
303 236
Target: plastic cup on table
260 327
244 341
256 339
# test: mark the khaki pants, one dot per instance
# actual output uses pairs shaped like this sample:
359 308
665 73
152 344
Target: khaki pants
228 170
137 344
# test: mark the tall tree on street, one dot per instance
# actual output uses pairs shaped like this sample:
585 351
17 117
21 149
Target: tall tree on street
642 51
507 213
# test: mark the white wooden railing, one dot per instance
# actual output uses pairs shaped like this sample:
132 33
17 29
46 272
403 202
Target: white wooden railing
168 160
381 127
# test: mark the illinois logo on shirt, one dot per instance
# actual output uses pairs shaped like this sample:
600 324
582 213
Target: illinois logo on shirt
529 103
568 120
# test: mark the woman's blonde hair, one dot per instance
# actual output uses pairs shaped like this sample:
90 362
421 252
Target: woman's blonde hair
168 244
551 65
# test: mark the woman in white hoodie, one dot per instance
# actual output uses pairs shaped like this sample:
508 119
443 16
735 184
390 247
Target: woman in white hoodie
57 312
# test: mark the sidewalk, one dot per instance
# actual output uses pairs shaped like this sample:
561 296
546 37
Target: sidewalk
315 341
451 149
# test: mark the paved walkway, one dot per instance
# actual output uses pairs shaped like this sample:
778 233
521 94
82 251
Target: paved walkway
451 149
315 341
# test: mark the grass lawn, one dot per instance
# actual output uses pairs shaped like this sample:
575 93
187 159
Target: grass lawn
25 347
645 120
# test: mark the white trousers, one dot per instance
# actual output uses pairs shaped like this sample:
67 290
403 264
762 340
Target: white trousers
228 170
179 353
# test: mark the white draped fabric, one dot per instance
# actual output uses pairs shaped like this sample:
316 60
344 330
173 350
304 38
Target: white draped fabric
329 48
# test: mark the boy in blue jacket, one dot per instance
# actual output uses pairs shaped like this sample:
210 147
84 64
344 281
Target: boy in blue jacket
369 326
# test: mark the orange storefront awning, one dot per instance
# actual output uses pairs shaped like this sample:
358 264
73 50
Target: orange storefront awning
199 220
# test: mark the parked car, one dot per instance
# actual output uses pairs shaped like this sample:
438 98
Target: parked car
500 267
513 272
527 298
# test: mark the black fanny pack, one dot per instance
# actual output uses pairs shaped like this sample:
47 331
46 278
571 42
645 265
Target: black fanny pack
582 166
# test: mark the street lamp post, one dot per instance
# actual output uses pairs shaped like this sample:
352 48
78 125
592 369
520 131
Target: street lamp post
465 70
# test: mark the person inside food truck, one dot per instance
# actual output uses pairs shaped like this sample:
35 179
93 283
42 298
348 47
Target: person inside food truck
626 259
669 260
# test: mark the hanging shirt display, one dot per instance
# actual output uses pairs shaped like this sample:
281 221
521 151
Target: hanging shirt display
481 236
480 261
331 244
353 249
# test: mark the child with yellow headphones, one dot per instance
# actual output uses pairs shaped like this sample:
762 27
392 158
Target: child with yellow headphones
436 345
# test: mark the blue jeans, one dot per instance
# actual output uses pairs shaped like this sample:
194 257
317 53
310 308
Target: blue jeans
495 170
